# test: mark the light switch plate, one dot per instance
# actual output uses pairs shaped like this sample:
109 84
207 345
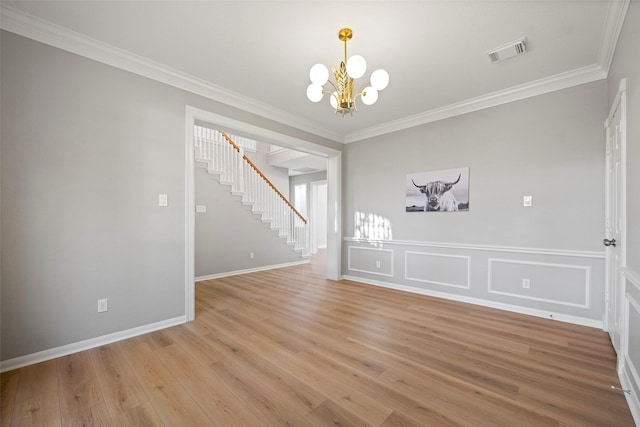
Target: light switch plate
527 201
163 200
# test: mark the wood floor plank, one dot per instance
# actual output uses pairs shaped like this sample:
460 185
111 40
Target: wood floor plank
207 390
8 390
195 345
168 398
332 414
137 416
287 347
288 387
120 389
397 419
256 396
568 407
81 400
334 385
36 402
470 404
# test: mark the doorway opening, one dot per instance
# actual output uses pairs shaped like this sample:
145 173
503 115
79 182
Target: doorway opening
333 158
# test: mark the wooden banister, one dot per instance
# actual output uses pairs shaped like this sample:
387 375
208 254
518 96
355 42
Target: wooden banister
253 165
230 141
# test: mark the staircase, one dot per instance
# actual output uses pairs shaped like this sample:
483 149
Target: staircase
226 159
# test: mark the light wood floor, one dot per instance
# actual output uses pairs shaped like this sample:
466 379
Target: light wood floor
289 348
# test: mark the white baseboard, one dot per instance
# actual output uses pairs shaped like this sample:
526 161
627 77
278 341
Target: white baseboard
250 270
52 353
583 321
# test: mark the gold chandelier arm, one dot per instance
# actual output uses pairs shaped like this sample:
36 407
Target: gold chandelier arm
359 91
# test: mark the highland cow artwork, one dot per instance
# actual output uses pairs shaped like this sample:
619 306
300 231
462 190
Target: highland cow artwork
438 191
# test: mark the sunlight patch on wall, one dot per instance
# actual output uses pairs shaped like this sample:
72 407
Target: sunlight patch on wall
371 226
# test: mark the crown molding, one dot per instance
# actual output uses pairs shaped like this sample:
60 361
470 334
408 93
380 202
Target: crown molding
26 25
616 12
538 87
54 35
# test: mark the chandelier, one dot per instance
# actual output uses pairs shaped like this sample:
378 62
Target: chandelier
343 98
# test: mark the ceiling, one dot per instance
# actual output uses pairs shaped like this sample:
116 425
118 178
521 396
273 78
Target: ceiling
256 55
296 162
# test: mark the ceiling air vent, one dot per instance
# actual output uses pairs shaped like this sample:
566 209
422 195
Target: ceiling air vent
508 50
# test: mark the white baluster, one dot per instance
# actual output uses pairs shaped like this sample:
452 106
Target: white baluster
220 155
248 183
263 195
233 169
227 163
217 152
272 196
197 142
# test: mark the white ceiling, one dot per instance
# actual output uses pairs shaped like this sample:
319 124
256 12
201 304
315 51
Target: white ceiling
296 162
257 54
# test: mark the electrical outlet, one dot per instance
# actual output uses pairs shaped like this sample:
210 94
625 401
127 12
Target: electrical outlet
527 201
378 264
251 255
103 305
526 283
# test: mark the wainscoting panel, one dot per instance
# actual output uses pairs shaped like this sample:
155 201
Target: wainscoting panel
370 260
565 285
555 283
633 350
630 372
438 269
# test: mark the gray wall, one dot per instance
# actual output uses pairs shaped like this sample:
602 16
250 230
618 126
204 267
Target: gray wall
228 232
626 64
86 149
550 147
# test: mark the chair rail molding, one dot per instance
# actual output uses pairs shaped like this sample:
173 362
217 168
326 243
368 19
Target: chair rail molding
475 247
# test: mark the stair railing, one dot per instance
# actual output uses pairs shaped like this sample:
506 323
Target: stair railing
227 159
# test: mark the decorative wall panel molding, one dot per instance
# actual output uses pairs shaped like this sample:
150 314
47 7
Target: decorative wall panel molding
370 260
562 284
555 315
630 375
438 269
632 277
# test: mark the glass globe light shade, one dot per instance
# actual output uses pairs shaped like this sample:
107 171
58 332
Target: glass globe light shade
319 74
356 66
379 79
314 92
369 95
333 100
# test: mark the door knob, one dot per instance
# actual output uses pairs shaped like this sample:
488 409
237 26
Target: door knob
608 242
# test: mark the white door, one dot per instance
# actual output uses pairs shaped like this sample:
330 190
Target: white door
614 219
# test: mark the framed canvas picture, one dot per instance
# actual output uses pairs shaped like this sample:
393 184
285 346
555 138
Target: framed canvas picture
438 191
